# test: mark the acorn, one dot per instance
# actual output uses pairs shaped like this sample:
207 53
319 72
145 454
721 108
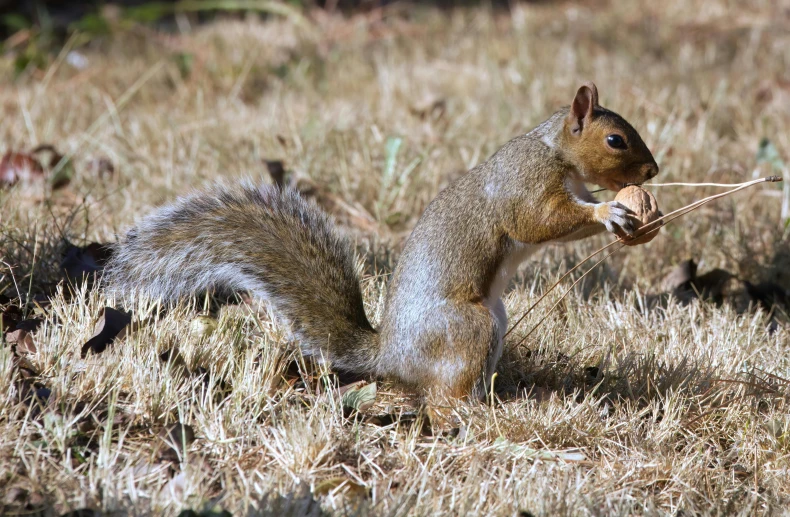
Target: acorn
644 206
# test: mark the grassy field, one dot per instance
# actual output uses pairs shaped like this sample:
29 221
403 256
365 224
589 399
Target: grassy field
625 401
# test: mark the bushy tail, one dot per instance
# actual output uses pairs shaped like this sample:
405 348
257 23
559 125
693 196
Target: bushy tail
268 241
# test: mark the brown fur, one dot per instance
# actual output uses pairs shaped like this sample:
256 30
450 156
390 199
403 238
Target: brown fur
443 319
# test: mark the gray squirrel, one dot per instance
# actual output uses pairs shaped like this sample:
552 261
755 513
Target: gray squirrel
444 320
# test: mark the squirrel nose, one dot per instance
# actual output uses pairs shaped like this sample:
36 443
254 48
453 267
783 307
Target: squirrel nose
650 170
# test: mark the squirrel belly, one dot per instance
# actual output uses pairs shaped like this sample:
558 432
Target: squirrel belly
265 240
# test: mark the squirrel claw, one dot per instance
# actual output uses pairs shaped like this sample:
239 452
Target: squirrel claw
616 217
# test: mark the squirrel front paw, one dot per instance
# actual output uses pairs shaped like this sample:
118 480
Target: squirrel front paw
615 216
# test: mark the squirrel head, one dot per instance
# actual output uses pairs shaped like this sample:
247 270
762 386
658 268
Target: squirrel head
605 149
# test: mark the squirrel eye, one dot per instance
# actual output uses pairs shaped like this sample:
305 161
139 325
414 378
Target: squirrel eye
616 142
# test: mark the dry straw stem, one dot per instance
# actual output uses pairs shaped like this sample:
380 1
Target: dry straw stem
651 227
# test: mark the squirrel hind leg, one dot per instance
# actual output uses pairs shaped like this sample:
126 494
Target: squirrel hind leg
470 354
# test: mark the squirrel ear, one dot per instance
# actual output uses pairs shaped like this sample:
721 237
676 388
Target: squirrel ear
582 106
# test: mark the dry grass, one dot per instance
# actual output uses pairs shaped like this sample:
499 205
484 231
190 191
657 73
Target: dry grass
672 409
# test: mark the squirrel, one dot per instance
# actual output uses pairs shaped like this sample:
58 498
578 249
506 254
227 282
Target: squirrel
443 323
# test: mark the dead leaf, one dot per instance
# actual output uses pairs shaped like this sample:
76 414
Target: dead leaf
10 316
276 171
176 437
22 340
348 387
15 494
776 427
741 471
25 367
101 167
429 108
111 324
20 500
15 167
359 398
61 167
30 324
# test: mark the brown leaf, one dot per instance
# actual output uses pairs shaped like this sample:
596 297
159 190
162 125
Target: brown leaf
348 387
25 367
112 323
61 167
101 167
177 436
15 167
15 494
30 324
429 108
22 340
741 471
276 171
9 318
20 499
777 427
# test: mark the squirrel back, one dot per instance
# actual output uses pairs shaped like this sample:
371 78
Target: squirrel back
269 241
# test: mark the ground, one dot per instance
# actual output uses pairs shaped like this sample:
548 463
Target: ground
624 401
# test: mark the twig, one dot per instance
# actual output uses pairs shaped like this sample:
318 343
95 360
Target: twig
693 206
558 282
566 294
726 185
651 227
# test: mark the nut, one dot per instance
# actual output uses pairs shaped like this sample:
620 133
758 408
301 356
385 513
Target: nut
644 206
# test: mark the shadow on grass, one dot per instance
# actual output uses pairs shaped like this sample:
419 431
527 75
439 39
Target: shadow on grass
640 379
